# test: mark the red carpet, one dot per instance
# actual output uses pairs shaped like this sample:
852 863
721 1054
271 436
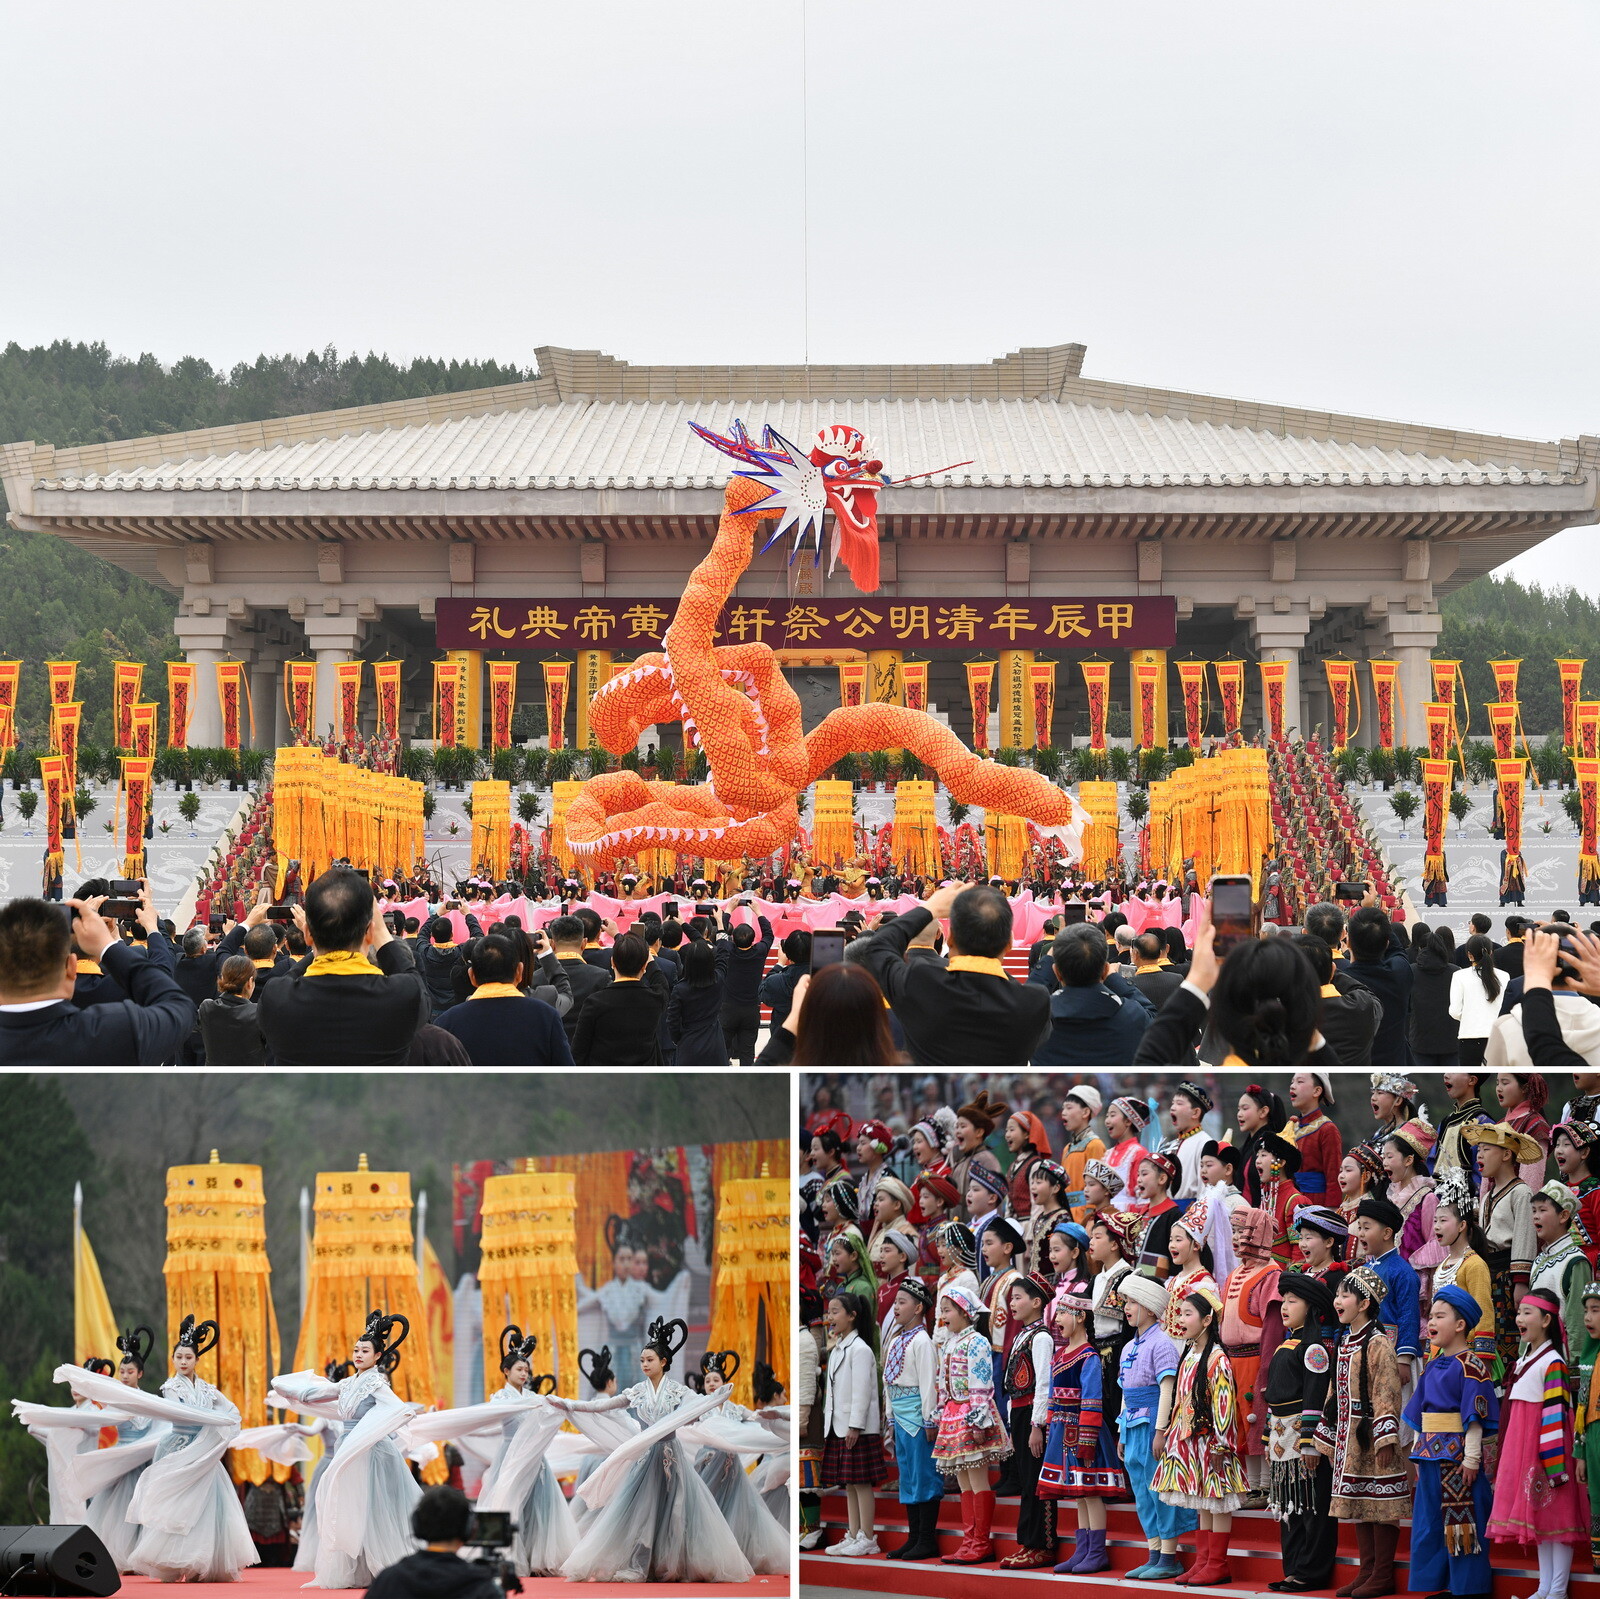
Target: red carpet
276 1583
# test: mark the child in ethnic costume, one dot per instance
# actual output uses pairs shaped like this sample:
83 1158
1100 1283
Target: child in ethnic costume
1251 1328
1027 1385
852 1451
1148 1374
958 1255
970 1437
1588 1414
1079 1454
1191 1259
1453 1409
1360 1431
1200 1468
1536 1497
1277 1162
999 1245
1299 1481
912 1412
1455 1225
1321 1238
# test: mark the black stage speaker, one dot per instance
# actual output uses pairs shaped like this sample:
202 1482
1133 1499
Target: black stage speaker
55 1560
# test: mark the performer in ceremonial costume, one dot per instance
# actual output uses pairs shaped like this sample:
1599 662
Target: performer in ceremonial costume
1586 1421
1455 1225
1317 1139
108 1509
305 1558
1191 1259
1027 1387
1190 1102
754 1527
1251 1328
1452 1152
1505 1214
1561 1265
912 1412
654 1520
1078 1111
1158 1172
67 1431
971 1437
1277 1161
1047 1187
1126 1119
1321 1237
546 1533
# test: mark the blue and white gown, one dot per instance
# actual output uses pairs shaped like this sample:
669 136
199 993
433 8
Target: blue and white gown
623 1305
651 1518
139 1437
721 1468
520 1480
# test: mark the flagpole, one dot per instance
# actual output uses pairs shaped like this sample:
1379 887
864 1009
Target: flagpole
422 1238
305 1250
77 1256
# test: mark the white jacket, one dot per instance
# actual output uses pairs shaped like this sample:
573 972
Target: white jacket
1473 1010
806 1360
852 1397
918 1372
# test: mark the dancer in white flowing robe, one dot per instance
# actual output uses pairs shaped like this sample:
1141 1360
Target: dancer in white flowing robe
771 1477
66 1431
137 1440
520 1479
366 1493
721 1468
326 1414
602 1378
653 1519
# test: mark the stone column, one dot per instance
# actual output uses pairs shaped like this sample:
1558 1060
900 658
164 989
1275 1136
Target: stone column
332 639
205 640
266 696
1411 637
1280 636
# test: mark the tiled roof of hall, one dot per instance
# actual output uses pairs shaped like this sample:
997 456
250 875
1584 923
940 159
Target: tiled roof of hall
1028 420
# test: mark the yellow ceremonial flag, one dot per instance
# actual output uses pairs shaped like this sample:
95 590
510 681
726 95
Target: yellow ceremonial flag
438 1302
94 1328
750 1280
529 1270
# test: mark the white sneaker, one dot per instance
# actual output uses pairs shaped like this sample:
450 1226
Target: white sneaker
867 1544
812 1538
845 1546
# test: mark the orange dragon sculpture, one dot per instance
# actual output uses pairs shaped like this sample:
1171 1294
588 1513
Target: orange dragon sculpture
735 701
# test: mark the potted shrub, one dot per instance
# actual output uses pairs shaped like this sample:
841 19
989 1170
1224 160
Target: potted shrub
535 764
506 766
878 767
1120 763
1380 767
28 803
528 807
1047 761
430 803
666 763
1460 805
1139 802
1572 804
189 809
1403 802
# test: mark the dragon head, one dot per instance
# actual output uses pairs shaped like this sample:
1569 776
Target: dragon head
839 474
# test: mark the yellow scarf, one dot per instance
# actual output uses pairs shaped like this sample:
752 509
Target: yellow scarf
497 991
88 968
1328 991
342 963
977 963
263 966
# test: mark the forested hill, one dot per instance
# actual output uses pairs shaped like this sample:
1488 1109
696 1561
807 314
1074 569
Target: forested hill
56 603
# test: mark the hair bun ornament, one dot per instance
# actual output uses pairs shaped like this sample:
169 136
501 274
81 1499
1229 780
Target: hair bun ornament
619 1235
134 1347
598 1372
193 1336
337 1370
667 1337
544 1383
100 1366
378 1329
765 1383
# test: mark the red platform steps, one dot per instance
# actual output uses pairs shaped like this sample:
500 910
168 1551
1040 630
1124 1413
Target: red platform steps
1253 1556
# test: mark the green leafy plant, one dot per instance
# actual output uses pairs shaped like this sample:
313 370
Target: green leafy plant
1550 760
1403 802
1138 802
1407 764
1572 804
1047 761
252 765
1380 766
561 765
1460 807
528 807
430 803
506 767
536 765
1182 755
878 765
1008 755
1152 765
189 809
847 769
958 812
1088 766
83 804
416 763
28 803
1120 763
1347 764
629 760
666 763
911 768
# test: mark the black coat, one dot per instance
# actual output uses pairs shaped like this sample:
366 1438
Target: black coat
742 987
586 979
230 1031
1172 1034
1433 1028
694 1017
369 1019
621 1024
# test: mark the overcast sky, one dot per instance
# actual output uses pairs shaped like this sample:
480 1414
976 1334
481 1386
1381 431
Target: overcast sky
1369 207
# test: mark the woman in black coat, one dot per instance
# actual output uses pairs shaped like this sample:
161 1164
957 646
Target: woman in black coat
694 1013
1433 1037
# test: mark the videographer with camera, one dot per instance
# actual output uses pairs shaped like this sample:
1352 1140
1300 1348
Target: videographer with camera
39 1023
441 1523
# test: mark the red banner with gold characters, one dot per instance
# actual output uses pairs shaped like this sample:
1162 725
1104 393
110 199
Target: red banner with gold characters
63 680
127 681
1510 776
183 681
1230 687
8 735
136 785
386 678
1440 719
53 780
914 674
980 687
1435 809
1042 682
347 688
1147 677
1274 689
1192 684
300 700
1446 680
447 729
852 683
1097 681
232 696
144 728
1503 728
1571 672
66 724
10 681
1385 689
557 681
1587 770
1345 700
503 701
1505 679
1589 728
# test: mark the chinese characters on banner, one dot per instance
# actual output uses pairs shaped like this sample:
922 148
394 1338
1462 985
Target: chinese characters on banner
1042 680
182 680
852 683
1505 679
1097 681
1192 684
1147 676
871 623
502 702
980 685
127 679
1385 685
386 677
1274 685
1571 671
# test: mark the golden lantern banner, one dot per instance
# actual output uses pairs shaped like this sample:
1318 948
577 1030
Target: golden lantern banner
1097 682
915 838
63 679
1587 771
1447 679
127 681
300 699
1042 682
66 724
1345 700
1147 678
562 795
750 1281
10 682
324 808
1571 673
1101 846
1005 844
491 828
217 1270
1505 679
1274 689
852 683
53 780
447 729
137 783
144 728
980 687
183 679
363 1258
557 682
914 674
529 1270
1385 693
833 822
1436 776
1230 686
502 702
1503 727
233 696
347 686
1440 719
1192 684
1510 776
1588 728
386 680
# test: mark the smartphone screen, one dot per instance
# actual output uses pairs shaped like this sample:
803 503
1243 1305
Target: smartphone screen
669 910
1074 911
827 947
1232 911
280 913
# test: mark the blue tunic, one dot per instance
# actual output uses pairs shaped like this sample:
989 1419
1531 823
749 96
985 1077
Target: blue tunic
1455 1389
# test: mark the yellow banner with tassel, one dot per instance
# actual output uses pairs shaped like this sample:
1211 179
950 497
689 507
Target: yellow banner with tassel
529 1270
750 1282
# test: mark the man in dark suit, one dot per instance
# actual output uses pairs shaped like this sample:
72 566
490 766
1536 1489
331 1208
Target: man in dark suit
1378 963
1155 981
741 990
967 1013
566 939
1509 955
621 1023
594 924
339 1007
39 1024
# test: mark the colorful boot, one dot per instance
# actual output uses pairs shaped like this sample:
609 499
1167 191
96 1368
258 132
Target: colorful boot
1202 1555
1094 1558
968 1527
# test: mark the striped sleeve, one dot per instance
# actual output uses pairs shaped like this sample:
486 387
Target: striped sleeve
1552 1423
